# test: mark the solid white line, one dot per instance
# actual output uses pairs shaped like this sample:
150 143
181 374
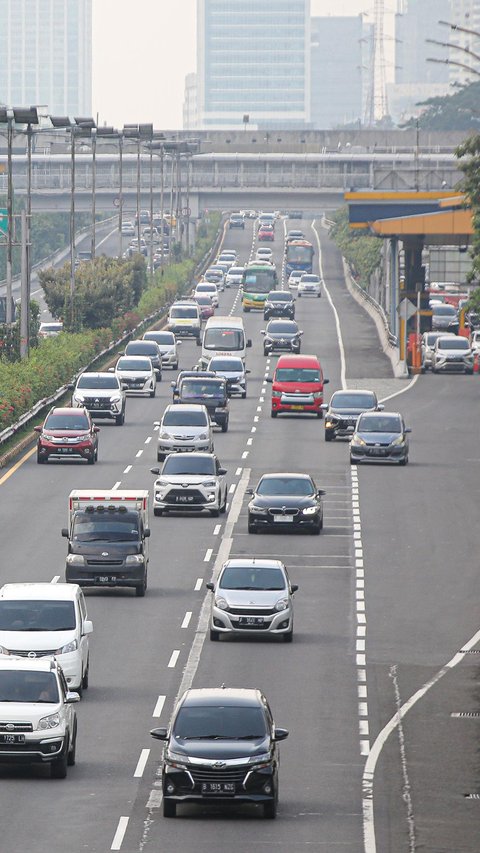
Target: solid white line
117 484
186 619
138 454
55 579
217 529
335 312
120 833
402 390
208 555
127 469
173 658
141 764
148 440
198 584
159 706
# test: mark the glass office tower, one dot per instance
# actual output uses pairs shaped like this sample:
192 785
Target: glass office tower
253 60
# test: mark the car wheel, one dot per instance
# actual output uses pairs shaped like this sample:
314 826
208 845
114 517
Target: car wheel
157 511
352 461
469 372
246 310
318 295
96 453
160 457
273 414
252 527
299 295
287 638
120 419
270 809
243 395
316 530
265 351
141 590
175 366
169 808
225 426
214 513
403 461
73 751
58 768
91 459
214 635
153 392
329 435
223 507
86 676
40 460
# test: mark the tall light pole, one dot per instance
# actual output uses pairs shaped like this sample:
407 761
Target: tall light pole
28 117
10 224
120 192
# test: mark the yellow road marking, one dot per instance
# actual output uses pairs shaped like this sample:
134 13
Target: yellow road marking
17 465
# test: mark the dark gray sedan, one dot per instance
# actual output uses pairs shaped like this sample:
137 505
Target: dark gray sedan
282 336
380 437
342 412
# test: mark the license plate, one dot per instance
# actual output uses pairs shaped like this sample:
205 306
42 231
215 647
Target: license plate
9 739
65 449
377 451
296 408
251 620
219 788
184 499
283 518
106 579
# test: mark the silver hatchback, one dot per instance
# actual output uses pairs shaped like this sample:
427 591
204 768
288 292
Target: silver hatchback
252 596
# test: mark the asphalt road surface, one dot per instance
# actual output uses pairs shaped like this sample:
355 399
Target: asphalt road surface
387 598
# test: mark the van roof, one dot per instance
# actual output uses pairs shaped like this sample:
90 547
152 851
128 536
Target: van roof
39 591
298 361
229 322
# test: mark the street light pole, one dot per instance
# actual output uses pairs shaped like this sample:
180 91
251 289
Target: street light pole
10 224
94 189
162 201
151 212
72 225
138 190
120 193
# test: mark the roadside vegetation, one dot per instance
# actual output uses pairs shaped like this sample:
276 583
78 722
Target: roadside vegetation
361 250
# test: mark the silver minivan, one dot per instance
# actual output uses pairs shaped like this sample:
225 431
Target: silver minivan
168 346
184 427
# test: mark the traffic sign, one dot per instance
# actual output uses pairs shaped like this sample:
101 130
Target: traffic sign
3 220
406 309
186 211
116 202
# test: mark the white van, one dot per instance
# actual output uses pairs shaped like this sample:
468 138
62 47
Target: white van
47 620
224 336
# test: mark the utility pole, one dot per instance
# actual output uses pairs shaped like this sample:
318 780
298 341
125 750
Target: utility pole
10 223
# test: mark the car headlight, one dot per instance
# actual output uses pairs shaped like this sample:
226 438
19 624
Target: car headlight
317 395
165 435
4 651
116 399
209 484
50 722
177 761
69 647
134 559
310 510
84 437
357 439
398 440
47 437
203 437
78 398
221 603
75 559
260 510
281 604
262 760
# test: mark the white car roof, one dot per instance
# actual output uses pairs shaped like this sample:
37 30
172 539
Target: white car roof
39 591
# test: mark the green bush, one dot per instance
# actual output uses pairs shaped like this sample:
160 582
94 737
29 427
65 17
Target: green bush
360 249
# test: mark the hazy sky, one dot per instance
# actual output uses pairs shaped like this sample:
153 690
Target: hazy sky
143 50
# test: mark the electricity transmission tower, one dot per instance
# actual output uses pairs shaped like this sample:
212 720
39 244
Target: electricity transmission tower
376 106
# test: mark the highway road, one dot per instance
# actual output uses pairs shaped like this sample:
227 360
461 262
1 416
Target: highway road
387 598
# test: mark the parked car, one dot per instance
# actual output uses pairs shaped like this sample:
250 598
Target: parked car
344 408
380 437
67 434
286 502
252 597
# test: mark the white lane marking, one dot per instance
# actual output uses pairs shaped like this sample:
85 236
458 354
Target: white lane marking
148 440
249 442
159 706
231 489
254 429
173 658
117 484
157 426
238 472
259 408
186 619
208 555
335 312
120 833
127 469
138 454
255 421
198 584
402 390
244 454
217 529
55 579
141 764
362 691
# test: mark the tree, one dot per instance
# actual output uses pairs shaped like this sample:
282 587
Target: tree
459 111
469 155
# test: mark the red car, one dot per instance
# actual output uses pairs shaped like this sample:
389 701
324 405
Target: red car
206 306
266 233
297 385
67 434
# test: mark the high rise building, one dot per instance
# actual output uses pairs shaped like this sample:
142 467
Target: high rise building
336 71
190 112
465 13
253 60
46 55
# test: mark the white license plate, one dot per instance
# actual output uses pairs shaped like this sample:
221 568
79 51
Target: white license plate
283 518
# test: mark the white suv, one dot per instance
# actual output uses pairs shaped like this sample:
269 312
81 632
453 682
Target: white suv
190 481
102 394
45 620
37 722
452 354
184 427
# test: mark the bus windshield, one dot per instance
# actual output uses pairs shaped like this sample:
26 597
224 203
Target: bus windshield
223 339
259 280
299 253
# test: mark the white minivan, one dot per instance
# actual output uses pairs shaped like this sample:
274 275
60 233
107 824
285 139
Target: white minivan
47 620
224 336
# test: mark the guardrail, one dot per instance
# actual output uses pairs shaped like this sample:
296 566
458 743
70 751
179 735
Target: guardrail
25 419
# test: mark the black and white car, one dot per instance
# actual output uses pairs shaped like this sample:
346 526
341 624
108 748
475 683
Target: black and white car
190 482
102 394
286 502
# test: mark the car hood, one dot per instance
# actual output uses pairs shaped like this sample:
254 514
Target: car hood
185 479
231 374
65 433
97 392
460 352
35 641
216 750
279 501
133 374
378 437
164 348
28 711
184 430
256 597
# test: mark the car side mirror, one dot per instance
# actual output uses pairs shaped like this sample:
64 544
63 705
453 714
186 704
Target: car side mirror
408 429
222 471
71 386
321 493
96 429
111 370
249 343
301 332
147 533
37 429
269 379
326 381
159 734
65 532
179 343
263 332
280 734
156 423
210 586
247 370
172 384
87 627
293 587
324 407
199 343
155 471
124 386
380 407
249 491
72 697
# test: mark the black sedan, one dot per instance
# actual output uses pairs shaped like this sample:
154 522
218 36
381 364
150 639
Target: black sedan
279 303
283 336
286 502
342 413
380 437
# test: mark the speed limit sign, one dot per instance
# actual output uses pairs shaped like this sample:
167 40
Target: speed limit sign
186 211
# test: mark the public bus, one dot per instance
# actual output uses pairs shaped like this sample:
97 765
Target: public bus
298 256
257 281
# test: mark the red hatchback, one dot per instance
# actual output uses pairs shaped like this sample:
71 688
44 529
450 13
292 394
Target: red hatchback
67 434
266 233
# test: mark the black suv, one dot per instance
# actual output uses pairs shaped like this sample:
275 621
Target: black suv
221 746
279 303
208 391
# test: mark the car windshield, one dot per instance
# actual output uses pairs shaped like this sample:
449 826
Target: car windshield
51 327
387 423
177 417
208 388
279 328
229 365
180 312
299 486
278 296
87 381
105 527
37 615
140 364
236 270
431 338
28 686
192 465
252 577
223 339
142 348
160 337
297 374
67 422
352 401
224 722
453 343
310 278
445 311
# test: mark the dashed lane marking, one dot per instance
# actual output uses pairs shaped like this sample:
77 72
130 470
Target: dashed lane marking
142 761
173 658
159 706
120 833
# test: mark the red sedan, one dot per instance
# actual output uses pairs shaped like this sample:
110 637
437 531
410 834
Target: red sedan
266 233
